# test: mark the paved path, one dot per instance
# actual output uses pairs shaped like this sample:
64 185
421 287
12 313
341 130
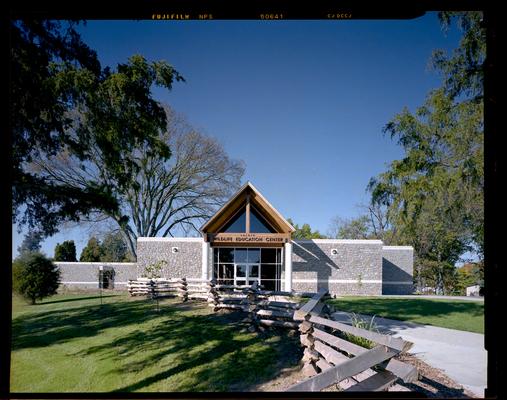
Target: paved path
461 355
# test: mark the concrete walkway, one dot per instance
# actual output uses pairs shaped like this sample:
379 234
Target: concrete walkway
459 354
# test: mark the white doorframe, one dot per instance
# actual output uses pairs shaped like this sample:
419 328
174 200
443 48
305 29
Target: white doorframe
206 251
288 266
247 277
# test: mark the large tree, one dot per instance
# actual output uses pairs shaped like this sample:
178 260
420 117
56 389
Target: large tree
62 100
161 195
434 195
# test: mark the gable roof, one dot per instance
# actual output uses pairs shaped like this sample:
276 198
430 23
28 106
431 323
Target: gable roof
237 201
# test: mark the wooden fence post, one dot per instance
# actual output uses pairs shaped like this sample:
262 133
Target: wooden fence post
310 356
183 291
213 296
151 289
252 306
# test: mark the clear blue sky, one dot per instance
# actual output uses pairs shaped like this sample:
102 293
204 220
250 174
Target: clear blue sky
303 103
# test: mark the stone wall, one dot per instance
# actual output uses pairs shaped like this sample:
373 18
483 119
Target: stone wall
356 268
359 267
85 275
183 256
397 270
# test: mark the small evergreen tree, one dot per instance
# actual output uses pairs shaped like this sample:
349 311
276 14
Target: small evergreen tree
92 252
65 251
34 276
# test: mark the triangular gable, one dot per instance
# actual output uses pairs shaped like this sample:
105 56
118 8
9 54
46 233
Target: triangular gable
247 194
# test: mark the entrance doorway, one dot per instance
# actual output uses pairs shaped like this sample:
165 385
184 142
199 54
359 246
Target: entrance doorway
244 266
247 274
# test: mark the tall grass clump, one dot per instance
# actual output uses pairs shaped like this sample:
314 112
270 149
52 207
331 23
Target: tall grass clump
363 324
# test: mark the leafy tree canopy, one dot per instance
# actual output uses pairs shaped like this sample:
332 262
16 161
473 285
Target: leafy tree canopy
305 232
65 251
354 228
434 195
114 248
31 242
61 98
92 252
463 70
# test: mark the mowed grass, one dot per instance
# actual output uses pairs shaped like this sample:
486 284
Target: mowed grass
70 343
452 314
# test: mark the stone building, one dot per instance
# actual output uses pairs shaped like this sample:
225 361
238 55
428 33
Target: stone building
248 240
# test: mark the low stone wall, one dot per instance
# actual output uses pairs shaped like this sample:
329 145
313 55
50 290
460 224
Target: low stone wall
397 270
85 275
344 267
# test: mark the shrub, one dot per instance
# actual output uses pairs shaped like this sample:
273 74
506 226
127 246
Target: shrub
153 271
34 276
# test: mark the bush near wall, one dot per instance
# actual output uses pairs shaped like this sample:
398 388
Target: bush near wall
34 276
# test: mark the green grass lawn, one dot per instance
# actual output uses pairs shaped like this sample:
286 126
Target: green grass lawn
69 343
452 314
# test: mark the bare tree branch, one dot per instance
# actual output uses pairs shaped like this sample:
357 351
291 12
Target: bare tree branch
163 195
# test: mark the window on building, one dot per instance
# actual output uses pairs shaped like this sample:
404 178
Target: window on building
258 224
237 224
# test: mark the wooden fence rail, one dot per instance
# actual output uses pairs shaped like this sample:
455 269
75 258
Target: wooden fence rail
329 359
156 288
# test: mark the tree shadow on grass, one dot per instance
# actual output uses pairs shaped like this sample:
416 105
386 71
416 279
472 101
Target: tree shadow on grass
75 299
409 308
199 353
58 326
182 347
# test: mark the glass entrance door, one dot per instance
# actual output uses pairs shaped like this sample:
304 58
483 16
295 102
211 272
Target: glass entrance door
247 274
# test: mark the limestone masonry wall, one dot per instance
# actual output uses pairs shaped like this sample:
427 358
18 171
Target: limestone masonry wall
185 261
397 270
85 275
341 266
344 267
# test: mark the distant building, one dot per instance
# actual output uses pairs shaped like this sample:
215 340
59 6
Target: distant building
473 290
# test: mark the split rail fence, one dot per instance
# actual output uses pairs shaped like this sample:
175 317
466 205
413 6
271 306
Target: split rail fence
328 358
158 288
